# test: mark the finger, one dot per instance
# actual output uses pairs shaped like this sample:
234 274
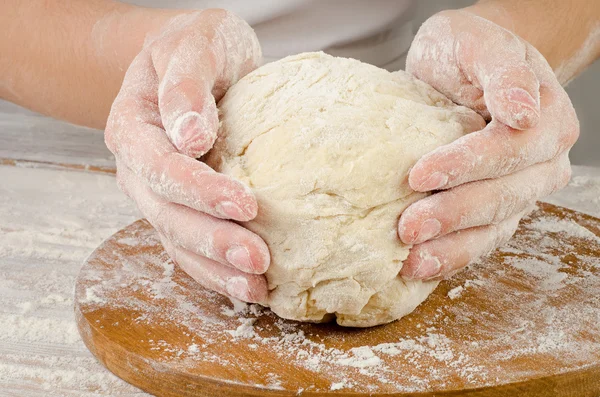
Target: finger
135 136
216 277
200 61
481 203
446 255
222 241
499 150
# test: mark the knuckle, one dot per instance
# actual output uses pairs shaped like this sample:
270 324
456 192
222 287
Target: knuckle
109 136
506 204
566 177
117 122
223 14
570 137
174 92
569 134
573 133
502 232
161 220
121 183
171 251
565 174
505 235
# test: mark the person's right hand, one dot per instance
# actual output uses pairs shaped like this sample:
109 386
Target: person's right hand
165 117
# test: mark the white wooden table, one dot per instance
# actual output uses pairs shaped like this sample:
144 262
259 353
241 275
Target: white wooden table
58 201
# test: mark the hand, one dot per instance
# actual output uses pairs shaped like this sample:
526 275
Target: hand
489 178
164 117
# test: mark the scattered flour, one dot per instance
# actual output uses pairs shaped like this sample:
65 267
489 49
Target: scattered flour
548 273
362 357
90 296
51 220
340 385
25 307
239 307
56 299
245 330
455 293
554 225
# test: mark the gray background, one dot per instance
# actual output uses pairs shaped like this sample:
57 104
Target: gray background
583 92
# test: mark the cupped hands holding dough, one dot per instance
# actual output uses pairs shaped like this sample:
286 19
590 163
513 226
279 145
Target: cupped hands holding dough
489 178
161 121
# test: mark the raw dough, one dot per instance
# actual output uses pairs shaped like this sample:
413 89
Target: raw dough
326 144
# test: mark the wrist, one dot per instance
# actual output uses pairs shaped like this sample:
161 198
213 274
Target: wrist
117 37
120 34
524 22
559 30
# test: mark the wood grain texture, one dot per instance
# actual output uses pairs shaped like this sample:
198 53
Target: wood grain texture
50 222
32 140
510 331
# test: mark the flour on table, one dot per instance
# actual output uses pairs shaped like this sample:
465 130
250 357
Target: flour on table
457 292
51 220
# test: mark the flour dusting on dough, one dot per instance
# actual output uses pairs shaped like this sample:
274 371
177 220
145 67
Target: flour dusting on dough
326 144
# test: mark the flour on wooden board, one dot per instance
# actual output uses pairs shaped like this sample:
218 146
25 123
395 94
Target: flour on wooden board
431 357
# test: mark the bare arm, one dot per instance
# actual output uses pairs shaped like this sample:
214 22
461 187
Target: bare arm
566 32
68 59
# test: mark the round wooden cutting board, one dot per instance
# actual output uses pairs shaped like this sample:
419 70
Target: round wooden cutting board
523 322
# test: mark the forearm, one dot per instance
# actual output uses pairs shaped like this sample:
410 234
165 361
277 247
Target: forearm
566 32
68 59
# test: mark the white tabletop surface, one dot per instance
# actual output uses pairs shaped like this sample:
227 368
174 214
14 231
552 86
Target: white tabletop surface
51 218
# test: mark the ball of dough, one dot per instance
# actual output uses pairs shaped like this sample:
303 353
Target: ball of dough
326 144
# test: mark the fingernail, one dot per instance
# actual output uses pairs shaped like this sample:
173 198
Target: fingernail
429 229
183 128
435 181
230 210
191 131
527 112
238 288
239 257
427 268
520 96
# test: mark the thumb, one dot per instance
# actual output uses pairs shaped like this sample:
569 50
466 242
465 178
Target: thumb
497 61
512 96
199 57
189 114
187 107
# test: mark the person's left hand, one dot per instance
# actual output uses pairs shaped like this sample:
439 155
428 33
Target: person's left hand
489 179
